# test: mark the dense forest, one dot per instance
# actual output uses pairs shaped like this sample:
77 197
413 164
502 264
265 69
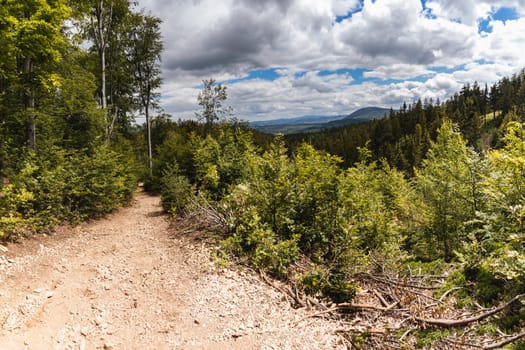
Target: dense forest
403 137
72 77
435 187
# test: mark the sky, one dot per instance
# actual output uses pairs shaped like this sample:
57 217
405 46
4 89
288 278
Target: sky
289 58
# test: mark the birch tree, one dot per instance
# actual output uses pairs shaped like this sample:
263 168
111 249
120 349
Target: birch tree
145 55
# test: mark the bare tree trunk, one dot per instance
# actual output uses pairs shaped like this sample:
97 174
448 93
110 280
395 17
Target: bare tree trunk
30 106
111 125
2 161
150 152
31 127
101 31
101 35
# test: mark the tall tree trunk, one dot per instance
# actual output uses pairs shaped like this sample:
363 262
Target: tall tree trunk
30 105
148 127
2 160
103 99
102 42
31 124
101 31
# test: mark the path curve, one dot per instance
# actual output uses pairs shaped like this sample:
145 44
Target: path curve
125 282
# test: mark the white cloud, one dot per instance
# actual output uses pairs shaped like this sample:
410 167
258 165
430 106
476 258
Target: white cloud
466 11
504 44
398 71
390 39
397 32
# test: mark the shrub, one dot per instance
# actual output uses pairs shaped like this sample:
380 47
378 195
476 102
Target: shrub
259 245
67 186
176 191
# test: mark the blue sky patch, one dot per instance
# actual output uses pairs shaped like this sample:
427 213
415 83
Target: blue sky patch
359 8
503 14
355 73
447 70
269 74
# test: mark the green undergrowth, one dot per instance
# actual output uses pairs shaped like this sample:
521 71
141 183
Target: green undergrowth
69 186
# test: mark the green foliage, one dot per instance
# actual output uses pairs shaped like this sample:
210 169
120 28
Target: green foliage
463 295
315 199
177 192
338 289
449 182
173 144
107 183
67 186
512 320
222 161
520 345
13 202
314 280
211 99
487 287
435 267
427 337
306 204
494 257
260 246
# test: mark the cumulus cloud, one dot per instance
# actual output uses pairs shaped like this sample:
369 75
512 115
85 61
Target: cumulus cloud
471 11
396 31
387 39
398 71
505 43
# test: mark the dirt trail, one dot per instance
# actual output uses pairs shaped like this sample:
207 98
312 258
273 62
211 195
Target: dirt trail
125 282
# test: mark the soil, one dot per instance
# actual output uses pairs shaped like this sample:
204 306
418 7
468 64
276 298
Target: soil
131 281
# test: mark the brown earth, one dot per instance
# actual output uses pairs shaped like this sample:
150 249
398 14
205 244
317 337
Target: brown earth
129 281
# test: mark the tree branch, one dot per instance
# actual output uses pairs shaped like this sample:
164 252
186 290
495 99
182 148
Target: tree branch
456 323
505 342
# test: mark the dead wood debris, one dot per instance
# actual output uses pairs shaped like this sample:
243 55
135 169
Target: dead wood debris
388 312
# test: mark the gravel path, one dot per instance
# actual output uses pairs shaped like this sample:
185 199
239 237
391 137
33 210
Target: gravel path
129 282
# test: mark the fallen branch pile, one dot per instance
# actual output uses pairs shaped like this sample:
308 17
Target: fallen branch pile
388 312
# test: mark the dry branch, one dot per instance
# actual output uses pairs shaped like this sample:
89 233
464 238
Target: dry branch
447 293
389 281
381 298
505 341
463 322
345 306
284 290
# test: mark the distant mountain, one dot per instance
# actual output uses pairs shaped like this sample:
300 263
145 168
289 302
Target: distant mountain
307 119
317 123
361 115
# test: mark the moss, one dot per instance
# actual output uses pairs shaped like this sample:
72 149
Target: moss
457 279
519 345
488 287
427 337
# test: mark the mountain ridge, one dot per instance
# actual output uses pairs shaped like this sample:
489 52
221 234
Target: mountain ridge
312 123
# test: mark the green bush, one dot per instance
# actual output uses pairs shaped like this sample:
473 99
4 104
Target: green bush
13 201
428 337
332 284
177 192
67 186
255 242
338 289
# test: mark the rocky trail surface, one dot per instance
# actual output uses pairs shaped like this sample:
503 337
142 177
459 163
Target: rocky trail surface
131 281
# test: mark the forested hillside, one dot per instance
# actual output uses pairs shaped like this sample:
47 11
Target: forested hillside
72 76
434 190
404 136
